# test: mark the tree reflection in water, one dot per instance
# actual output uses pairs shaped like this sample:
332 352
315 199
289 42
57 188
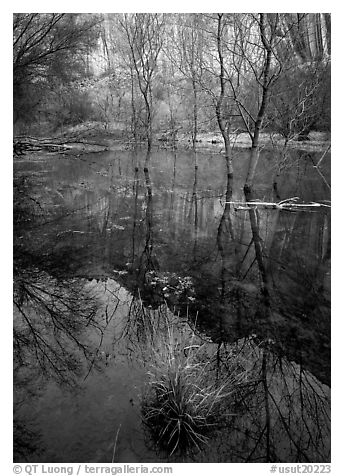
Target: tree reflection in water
277 412
50 318
50 342
256 291
50 313
282 413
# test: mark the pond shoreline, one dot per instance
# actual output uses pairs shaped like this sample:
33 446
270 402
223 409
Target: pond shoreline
83 140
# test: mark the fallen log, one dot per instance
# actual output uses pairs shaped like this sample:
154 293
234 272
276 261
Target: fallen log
25 144
287 204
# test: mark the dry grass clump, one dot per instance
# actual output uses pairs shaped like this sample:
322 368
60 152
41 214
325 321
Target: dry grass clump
184 402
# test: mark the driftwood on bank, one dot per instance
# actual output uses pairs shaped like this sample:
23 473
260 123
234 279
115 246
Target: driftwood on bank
22 145
25 144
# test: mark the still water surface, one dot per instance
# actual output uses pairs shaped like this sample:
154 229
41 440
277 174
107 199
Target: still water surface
106 243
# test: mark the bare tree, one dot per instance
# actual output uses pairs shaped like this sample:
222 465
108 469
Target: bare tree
223 118
214 74
267 49
186 51
265 74
144 33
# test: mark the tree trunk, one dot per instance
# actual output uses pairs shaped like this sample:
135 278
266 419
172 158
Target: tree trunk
219 104
149 134
254 153
133 108
195 115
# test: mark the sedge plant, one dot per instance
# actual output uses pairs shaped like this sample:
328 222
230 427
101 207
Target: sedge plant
185 401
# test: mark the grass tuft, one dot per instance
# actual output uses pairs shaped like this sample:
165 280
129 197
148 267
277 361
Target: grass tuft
185 402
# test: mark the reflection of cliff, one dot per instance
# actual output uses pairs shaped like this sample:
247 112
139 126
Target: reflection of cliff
88 203
208 209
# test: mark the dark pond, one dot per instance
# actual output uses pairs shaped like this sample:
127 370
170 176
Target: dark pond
111 253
